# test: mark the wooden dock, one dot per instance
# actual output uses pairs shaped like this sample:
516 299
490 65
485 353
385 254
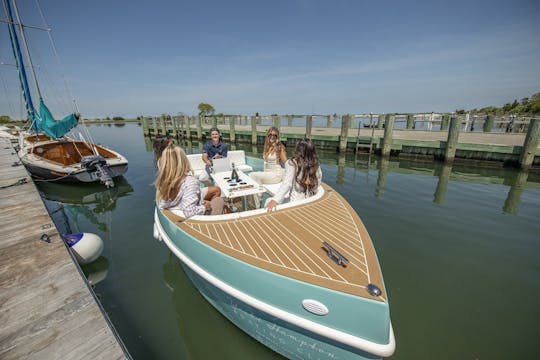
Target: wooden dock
451 138
47 309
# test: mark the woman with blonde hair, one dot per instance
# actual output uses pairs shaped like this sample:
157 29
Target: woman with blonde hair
274 156
177 189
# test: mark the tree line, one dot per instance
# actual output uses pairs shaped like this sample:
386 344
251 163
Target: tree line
526 106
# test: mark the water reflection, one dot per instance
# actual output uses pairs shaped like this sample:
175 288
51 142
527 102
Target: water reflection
511 205
70 205
88 200
202 328
384 164
442 185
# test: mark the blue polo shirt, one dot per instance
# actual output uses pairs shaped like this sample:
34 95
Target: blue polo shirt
211 150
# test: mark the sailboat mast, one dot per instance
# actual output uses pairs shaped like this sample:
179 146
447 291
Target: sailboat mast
20 63
21 31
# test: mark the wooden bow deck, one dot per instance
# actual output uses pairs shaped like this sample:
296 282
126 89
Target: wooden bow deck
290 241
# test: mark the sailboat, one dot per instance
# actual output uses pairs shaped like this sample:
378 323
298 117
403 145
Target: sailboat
46 150
303 280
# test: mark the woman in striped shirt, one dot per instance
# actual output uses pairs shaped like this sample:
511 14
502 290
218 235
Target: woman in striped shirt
178 190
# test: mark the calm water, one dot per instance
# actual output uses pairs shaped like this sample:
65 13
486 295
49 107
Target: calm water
459 249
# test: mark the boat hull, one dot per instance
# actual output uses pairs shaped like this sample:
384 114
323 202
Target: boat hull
268 306
282 337
70 174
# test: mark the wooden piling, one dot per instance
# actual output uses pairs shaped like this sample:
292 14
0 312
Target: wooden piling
199 128
146 131
188 127
276 122
444 122
254 120
488 123
214 121
309 126
530 145
329 120
452 141
232 128
163 126
410 121
380 121
344 133
388 130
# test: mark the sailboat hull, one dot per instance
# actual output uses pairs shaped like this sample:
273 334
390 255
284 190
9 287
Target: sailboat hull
268 304
64 160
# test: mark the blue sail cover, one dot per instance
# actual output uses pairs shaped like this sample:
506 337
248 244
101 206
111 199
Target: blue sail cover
51 127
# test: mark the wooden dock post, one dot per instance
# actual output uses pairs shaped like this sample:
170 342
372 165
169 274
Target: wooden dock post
163 126
214 121
344 133
309 126
388 131
452 141
199 128
289 120
530 145
410 121
380 121
232 128
488 123
174 131
188 127
154 126
329 120
254 120
146 132
444 122
276 121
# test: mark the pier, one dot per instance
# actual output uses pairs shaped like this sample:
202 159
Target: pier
47 309
440 136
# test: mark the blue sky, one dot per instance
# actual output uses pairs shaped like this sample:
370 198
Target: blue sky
130 58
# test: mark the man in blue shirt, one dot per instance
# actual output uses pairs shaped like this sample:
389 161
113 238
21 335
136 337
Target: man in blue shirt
213 149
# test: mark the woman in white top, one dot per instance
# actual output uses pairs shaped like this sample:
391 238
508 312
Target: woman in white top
273 155
302 175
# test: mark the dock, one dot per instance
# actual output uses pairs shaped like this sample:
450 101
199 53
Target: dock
442 137
47 309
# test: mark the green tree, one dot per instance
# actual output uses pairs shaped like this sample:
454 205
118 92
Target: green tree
206 109
4 119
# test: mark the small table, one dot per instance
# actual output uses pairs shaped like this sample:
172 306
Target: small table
244 187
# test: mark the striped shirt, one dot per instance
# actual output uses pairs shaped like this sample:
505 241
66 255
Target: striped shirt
188 200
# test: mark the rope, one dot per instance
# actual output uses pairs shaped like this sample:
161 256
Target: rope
18 182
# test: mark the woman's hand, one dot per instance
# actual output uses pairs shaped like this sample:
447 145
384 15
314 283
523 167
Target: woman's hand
271 205
207 205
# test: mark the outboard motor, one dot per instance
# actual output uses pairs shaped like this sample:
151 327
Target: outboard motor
98 165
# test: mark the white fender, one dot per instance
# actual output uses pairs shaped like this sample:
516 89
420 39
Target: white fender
87 247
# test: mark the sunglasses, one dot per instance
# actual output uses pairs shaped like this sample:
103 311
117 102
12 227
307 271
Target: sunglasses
272 135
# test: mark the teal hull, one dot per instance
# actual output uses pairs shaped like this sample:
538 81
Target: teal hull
268 306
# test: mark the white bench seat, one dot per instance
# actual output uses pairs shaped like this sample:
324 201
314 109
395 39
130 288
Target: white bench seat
238 157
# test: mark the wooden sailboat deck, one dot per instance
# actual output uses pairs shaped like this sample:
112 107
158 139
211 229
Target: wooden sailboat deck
289 242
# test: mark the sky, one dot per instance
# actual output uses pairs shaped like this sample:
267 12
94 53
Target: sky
130 58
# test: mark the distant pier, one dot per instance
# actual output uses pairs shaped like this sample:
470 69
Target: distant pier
47 309
445 137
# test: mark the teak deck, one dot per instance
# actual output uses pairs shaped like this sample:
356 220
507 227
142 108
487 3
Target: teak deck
289 242
46 309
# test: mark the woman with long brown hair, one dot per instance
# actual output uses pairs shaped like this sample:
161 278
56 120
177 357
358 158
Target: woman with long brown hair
177 189
302 175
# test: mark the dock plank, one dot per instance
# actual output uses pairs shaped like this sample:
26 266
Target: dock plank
47 311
